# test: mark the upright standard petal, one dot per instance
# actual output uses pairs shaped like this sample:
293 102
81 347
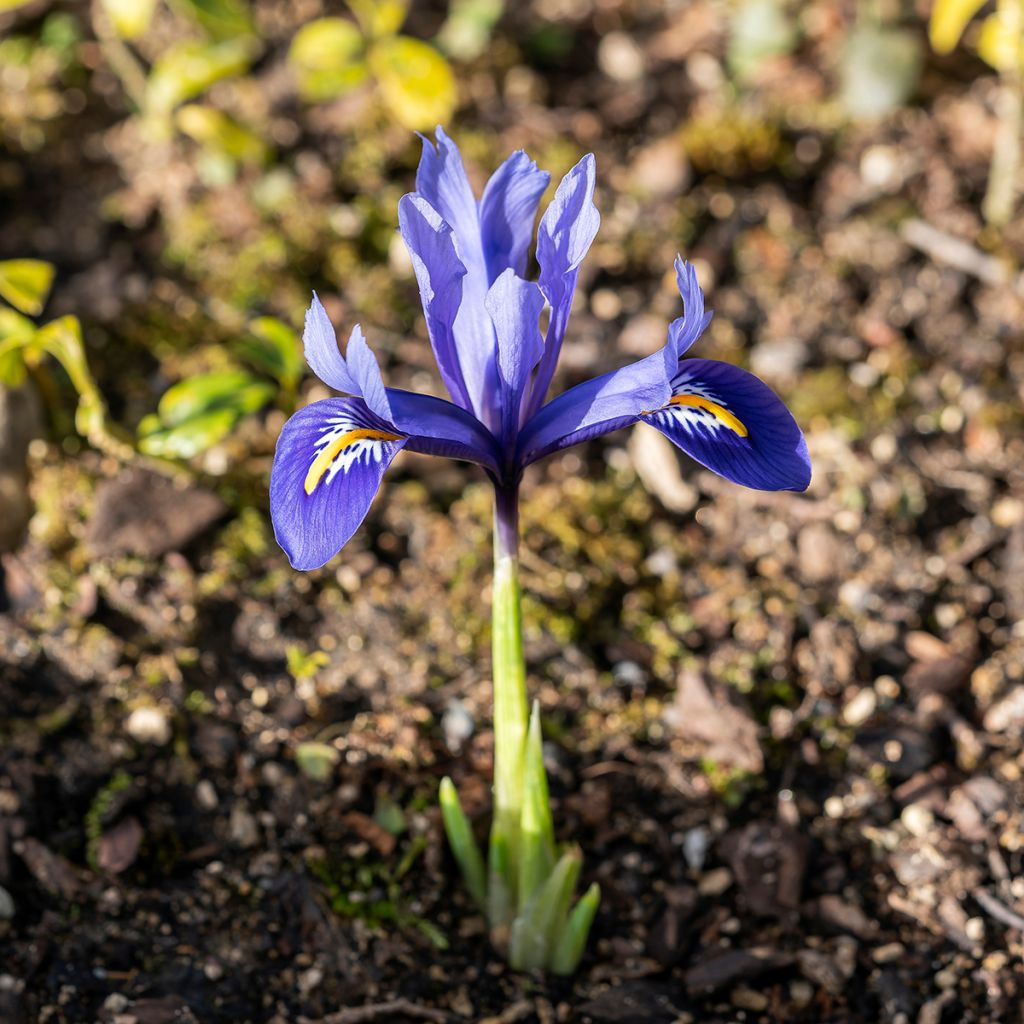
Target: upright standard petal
440 274
514 306
507 212
734 424
566 232
442 183
321 349
441 180
327 468
685 330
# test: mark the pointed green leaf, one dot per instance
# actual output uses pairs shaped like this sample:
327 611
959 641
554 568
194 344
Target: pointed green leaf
573 940
326 56
948 21
468 28
223 389
316 760
274 348
537 929
878 71
460 838
16 331
190 68
129 18
417 83
190 438
536 834
215 130
26 283
999 45
222 19
379 18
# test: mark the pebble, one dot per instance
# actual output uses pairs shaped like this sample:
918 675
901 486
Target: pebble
856 595
695 847
6 905
244 831
619 57
888 953
1008 714
748 999
457 725
206 795
310 980
801 992
149 725
861 707
715 882
917 819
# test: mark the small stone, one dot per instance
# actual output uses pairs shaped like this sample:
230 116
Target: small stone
310 980
748 999
715 882
695 847
975 929
206 795
816 552
834 807
243 827
6 905
116 1002
801 993
619 57
917 820
888 953
457 725
861 707
818 968
1007 715
149 725
878 166
1007 512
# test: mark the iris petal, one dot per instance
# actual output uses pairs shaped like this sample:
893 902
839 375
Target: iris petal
566 231
437 427
684 331
507 212
598 406
321 350
440 274
441 182
328 465
734 424
514 306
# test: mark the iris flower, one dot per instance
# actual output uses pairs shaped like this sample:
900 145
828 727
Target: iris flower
484 321
483 318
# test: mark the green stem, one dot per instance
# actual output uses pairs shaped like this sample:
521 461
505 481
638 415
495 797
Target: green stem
510 709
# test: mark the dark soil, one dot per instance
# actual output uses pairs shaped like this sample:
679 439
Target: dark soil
786 730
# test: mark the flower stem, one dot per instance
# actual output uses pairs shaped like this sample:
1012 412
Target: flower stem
510 708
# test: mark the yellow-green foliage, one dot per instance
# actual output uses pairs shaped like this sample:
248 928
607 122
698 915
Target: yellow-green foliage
332 56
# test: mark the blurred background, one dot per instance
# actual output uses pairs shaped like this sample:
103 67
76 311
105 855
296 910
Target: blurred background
785 728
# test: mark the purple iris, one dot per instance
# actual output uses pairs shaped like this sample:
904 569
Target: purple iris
483 318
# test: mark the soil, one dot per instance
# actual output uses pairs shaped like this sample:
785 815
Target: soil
786 730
